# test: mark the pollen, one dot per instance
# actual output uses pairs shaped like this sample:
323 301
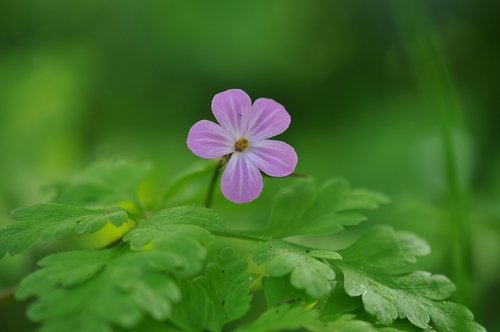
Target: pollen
241 144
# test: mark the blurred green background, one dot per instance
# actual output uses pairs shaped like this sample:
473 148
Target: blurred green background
397 96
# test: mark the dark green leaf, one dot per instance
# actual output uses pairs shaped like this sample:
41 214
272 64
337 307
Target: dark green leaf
182 231
220 296
302 209
384 250
227 284
351 323
282 318
279 291
370 270
52 221
96 290
194 312
103 183
183 180
307 271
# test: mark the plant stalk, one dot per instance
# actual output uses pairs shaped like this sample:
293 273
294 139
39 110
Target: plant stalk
213 182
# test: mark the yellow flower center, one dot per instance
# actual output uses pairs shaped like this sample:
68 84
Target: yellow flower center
241 144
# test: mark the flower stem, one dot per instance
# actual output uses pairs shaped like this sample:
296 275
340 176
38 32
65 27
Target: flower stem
213 182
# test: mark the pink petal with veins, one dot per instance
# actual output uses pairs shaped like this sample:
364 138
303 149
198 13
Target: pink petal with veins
241 181
232 109
275 158
269 119
209 140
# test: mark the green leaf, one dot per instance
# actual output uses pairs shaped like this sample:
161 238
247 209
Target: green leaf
288 318
150 325
177 230
371 268
385 250
52 221
194 312
307 269
220 296
302 209
183 180
339 302
450 317
282 318
96 290
228 285
103 183
278 291
187 215
351 323
289 205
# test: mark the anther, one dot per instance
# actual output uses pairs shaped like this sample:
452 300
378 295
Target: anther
241 144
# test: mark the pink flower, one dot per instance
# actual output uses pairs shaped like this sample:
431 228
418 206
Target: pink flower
244 133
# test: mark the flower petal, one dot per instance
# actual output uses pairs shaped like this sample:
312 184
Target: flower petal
275 158
241 181
207 139
269 119
232 109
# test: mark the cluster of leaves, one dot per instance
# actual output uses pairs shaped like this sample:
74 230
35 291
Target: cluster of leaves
156 278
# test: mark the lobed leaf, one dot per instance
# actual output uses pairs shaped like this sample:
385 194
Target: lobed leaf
182 231
99 289
351 323
288 317
306 268
282 318
278 291
178 184
220 296
103 183
51 221
372 269
303 209
385 250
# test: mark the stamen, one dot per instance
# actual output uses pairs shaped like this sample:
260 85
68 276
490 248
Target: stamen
241 144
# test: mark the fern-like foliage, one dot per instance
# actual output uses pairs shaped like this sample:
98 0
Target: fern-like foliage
168 272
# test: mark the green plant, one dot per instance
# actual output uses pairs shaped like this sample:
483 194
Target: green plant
158 277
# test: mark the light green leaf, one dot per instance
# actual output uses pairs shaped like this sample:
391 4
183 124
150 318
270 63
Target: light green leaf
339 302
282 318
52 221
452 317
96 290
306 271
227 284
220 296
291 318
103 183
302 209
182 181
194 312
278 291
371 267
148 324
176 230
351 323
290 204
385 250
187 215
